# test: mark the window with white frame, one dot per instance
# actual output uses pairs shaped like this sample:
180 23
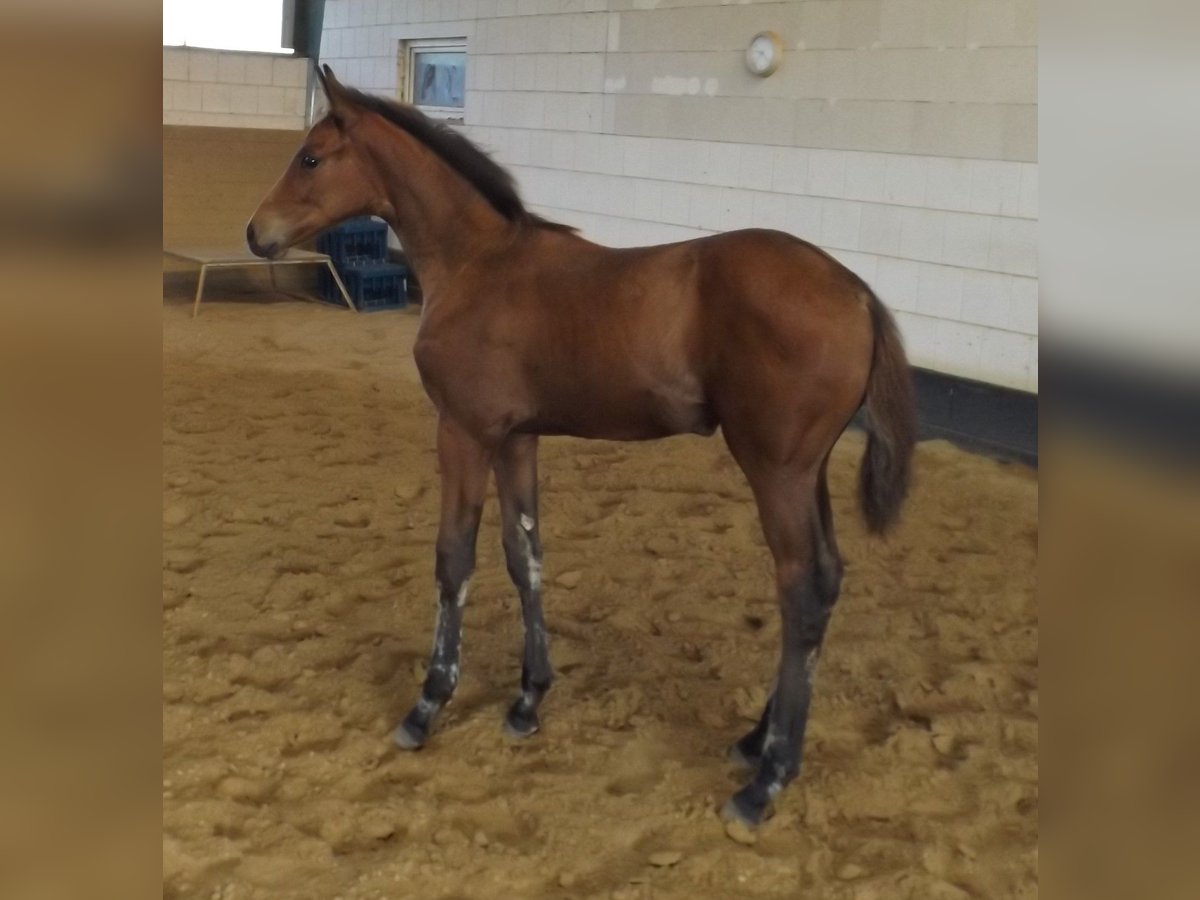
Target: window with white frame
433 76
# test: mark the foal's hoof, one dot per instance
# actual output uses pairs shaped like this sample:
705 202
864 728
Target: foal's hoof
410 735
519 724
746 807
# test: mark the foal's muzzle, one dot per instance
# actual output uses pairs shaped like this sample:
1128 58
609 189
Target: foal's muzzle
266 251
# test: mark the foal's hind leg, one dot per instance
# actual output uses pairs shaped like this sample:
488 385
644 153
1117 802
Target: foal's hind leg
747 752
464 465
808 576
516 482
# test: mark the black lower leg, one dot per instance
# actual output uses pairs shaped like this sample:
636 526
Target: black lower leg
747 752
454 567
806 606
524 555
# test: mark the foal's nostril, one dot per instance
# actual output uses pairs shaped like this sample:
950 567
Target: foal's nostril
251 242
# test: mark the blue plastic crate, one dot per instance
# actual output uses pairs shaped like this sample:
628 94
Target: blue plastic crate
355 241
376 286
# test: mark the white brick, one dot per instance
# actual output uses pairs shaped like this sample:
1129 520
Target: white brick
959 347
995 187
557 110
789 170
243 98
920 338
612 153
202 65
231 68
541 154
175 64
1005 357
271 99
987 298
216 98
647 202
880 232
706 208
826 173
897 282
922 234
755 168
591 72
562 151
504 74
584 112
865 176
1014 247
948 184
258 70
676 203
1028 204
724 164
905 180
940 292
737 210
289 72
804 216
841 222
968 240
189 96
1024 312
294 102
770 211
638 156
589 33
525 72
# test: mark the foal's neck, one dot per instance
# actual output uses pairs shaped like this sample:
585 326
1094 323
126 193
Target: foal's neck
440 218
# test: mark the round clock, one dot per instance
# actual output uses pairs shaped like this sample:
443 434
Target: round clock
764 54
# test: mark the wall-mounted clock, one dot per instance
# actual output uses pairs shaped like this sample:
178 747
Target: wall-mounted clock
764 53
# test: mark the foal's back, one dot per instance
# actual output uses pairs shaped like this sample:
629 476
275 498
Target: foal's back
644 342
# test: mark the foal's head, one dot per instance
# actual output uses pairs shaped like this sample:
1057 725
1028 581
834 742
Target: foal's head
330 179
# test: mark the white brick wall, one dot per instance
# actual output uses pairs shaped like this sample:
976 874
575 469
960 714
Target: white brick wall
898 134
233 89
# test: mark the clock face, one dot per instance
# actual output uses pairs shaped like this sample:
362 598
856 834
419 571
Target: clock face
763 54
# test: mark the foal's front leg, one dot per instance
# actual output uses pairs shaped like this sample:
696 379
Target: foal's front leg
464 463
516 482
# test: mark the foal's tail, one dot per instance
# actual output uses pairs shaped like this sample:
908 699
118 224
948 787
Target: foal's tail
891 425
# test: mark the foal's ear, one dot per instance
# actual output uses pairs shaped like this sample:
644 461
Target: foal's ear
341 107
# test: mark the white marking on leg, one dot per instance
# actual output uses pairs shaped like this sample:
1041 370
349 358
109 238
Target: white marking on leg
439 632
810 663
532 565
461 598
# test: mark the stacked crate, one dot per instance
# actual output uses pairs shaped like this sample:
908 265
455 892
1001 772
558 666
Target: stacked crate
358 248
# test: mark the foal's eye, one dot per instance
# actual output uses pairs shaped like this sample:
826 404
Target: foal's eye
309 162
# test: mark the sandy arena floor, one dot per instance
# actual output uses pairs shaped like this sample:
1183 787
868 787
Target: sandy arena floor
299 511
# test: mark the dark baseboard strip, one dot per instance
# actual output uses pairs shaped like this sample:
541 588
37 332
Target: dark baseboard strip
986 418
983 418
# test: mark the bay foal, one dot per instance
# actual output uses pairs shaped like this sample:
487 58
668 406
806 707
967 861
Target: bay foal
527 329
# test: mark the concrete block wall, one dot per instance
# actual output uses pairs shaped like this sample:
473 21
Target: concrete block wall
900 135
233 89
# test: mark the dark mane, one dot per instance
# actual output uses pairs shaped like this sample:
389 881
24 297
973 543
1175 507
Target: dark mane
480 170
